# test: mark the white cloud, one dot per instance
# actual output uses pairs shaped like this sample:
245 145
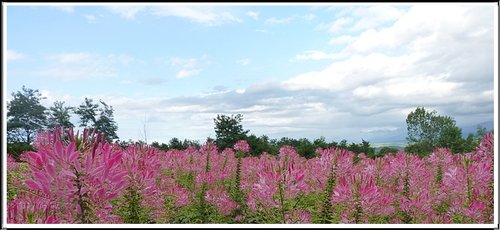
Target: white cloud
253 14
379 129
341 40
339 25
244 62
261 31
187 67
316 55
128 12
82 65
355 19
67 9
371 17
424 58
90 18
125 82
183 73
309 17
275 20
200 14
13 55
67 58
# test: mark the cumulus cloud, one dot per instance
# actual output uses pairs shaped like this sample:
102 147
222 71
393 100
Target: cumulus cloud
206 15
128 12
82 65
379 129
244 62
187 67
253 14
316 55
339 24
422 58
354 19
341 40
91 18
417 56
274 20
309 17
67 9
200 14
13 55
372 17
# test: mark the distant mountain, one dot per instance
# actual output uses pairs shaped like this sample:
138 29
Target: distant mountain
472 128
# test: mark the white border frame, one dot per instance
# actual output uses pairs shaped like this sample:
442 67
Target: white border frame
4 128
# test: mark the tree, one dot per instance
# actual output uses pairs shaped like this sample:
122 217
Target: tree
228 130
258 145
387 149
25 116
175 143
59 115
104 123
365 148
87 113
306 148
320 143
427 130
452 138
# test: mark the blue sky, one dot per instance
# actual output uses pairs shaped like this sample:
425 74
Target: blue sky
338 71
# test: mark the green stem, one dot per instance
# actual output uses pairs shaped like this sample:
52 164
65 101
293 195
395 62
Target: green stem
469 189
327 211
282 202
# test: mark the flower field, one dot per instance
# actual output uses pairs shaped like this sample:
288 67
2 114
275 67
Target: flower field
74 178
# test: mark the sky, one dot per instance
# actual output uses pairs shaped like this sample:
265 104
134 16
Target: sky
333 70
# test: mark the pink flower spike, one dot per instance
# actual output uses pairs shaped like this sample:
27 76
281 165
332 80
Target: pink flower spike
242 145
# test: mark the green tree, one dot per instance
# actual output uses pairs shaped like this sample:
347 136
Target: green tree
106 123
59 115
261 144
306 148
87 112
103 122
320 143
386 149
25 116
427 130
175 143
452 138
366 148
228 130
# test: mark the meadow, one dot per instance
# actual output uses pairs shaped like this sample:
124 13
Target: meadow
81 178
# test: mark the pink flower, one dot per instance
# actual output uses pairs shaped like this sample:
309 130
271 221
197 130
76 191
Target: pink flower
298 217
242 146
486 145
220 199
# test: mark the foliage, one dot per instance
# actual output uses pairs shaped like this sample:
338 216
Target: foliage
87 113
106 123
83 179
103 122
15 149
427 130
228 130
59 116
260 144
25 116
385 150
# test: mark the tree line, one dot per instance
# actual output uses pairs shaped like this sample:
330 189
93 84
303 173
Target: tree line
26 117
